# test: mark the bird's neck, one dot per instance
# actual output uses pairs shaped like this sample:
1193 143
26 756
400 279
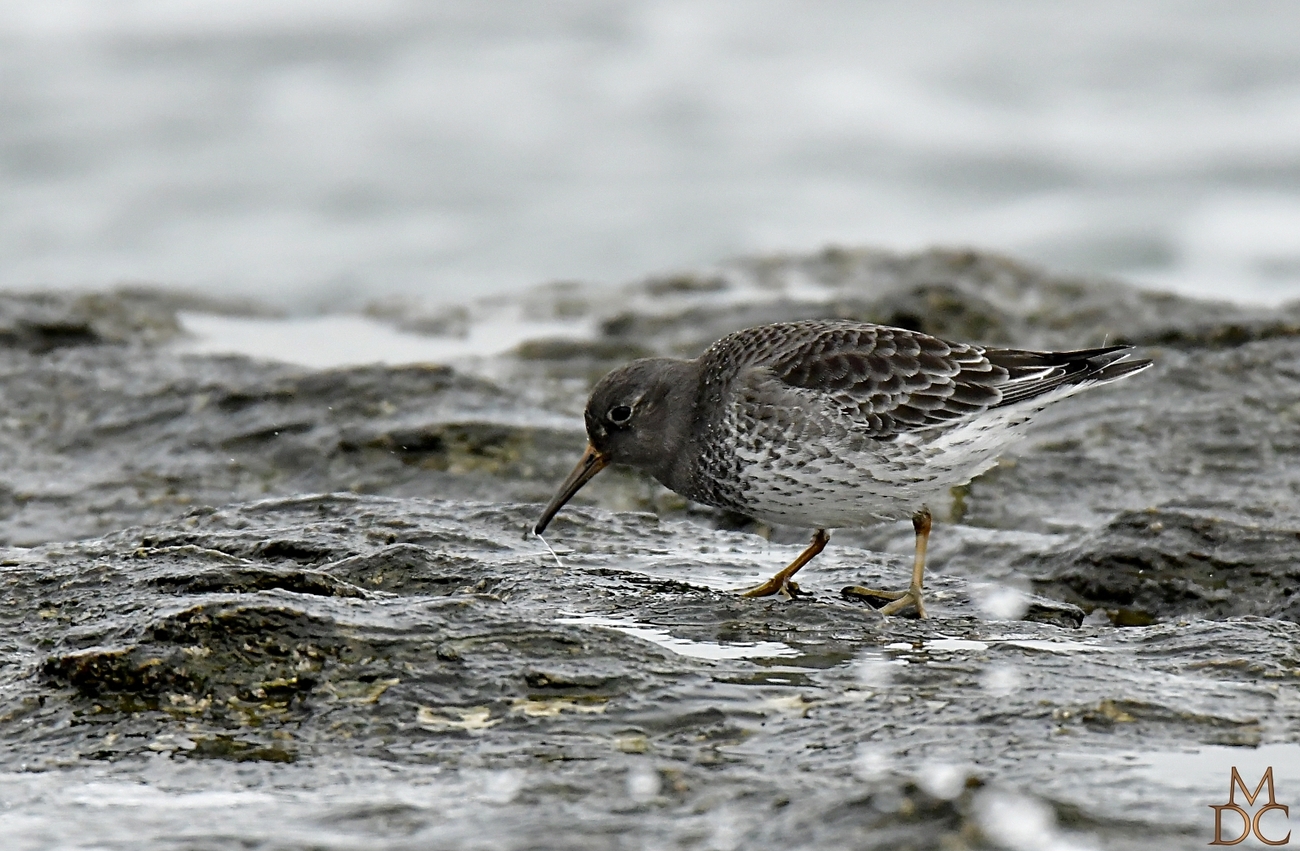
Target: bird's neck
673 444
681 455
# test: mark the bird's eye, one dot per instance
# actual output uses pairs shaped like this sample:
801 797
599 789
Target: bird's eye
619 414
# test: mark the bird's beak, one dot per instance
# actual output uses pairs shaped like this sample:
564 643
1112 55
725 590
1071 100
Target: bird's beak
593 461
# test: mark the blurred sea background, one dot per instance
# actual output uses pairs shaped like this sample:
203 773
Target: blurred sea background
320 154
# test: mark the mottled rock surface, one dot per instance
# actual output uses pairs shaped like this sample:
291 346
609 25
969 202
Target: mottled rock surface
254 605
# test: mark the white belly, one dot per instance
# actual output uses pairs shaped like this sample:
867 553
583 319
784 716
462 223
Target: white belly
833 484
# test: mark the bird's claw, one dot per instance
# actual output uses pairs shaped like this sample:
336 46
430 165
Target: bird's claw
899 600
785 589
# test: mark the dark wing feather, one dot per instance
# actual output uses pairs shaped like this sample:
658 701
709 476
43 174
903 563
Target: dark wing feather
892 381
1032 374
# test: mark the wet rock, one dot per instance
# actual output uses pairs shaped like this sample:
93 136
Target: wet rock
410 569
567 350
245 579
963 295
757 720
1165 564
223 574
97 440
1055 612
41 322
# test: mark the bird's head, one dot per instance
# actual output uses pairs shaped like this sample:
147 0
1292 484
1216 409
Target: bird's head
636 415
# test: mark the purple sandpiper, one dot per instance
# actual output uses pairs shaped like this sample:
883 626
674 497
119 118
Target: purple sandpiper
827 424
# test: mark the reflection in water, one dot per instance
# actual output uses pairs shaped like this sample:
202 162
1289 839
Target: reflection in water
684 646
1182 785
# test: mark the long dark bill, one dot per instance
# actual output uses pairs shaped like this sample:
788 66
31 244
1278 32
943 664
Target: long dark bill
592 463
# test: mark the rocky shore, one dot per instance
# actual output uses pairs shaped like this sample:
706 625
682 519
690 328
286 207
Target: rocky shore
249 604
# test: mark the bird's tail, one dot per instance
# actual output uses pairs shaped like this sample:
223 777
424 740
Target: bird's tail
1032 374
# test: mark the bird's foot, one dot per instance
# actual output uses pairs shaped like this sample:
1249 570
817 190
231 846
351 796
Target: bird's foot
777 586
899 600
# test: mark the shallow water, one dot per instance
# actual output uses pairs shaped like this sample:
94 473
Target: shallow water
324 154
684 646
332 341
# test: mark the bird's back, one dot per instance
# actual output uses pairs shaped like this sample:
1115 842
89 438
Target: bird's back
836 423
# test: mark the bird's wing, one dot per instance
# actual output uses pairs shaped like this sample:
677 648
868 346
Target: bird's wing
889 381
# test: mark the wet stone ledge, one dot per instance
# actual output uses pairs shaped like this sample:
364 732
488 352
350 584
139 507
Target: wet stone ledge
222 573
328 629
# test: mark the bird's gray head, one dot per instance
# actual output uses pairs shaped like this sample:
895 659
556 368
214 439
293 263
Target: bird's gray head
637 415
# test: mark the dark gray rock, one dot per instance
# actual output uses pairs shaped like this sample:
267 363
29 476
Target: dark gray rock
1161 565
956 294
607 697
391 662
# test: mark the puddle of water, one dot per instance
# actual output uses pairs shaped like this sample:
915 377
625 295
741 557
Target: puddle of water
685 647
328 342
1208 769
162 803
1065 646
1184 785
956 644
942 644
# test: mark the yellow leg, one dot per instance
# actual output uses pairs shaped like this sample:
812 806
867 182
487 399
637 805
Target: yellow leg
781 584
921 522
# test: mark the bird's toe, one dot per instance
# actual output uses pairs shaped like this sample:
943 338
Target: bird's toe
889 602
